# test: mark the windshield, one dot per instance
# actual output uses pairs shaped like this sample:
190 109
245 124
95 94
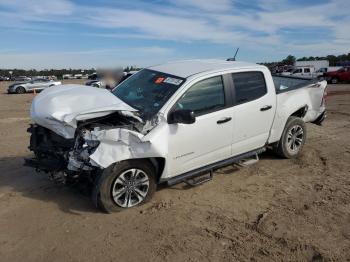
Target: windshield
147 91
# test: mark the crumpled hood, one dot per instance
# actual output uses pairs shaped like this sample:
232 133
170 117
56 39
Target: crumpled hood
59 108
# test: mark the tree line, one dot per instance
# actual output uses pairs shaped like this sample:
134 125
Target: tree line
290 60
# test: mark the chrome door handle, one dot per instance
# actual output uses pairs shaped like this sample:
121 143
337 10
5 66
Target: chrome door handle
224 120
265 108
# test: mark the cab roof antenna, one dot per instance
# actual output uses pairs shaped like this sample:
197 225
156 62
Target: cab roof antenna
233 58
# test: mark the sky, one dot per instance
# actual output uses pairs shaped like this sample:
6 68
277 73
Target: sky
45 34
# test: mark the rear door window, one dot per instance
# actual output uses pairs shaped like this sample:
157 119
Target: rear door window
248 86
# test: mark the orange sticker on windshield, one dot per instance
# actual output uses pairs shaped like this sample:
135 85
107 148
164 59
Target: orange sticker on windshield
159 80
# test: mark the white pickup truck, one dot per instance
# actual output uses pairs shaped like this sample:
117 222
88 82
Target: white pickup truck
307 72
169 123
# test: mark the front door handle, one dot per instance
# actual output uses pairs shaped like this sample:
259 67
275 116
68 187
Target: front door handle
265 108
224 120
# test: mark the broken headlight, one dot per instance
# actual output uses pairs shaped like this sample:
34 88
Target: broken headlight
92 143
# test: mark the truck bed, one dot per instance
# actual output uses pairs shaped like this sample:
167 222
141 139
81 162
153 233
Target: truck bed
287 83
295 94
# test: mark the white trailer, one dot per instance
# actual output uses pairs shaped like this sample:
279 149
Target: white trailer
318 64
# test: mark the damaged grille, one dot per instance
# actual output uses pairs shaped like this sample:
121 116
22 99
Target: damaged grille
50 149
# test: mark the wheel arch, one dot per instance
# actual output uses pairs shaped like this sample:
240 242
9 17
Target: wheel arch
301 112
281 123
21 86
159 165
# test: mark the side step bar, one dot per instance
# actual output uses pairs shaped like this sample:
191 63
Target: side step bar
189 176
200 179
249 161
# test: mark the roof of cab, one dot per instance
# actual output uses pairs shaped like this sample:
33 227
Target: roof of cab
186 68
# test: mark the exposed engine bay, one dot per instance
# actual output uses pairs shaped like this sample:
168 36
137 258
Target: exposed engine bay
68 159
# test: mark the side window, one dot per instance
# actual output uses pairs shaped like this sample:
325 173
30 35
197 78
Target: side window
249 86
203 97
307 70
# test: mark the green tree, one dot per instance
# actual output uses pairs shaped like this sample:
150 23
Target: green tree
289 60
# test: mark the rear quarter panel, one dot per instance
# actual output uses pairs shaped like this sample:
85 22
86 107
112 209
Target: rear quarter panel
290 102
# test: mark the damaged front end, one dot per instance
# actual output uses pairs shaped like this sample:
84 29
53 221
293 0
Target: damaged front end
66 134
65 160
68 160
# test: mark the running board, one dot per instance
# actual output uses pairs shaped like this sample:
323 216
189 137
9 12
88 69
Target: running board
200 179
249 161
210 168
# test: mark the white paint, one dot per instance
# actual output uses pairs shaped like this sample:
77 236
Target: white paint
59 108
184 147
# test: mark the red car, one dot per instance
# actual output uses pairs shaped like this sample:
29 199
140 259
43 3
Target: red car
341 75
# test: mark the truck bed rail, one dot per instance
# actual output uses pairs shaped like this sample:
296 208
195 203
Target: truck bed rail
288 83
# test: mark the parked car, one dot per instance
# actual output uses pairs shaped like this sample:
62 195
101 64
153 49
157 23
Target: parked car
99 81
328 69
4 78
169 123
94 76
21 78
68 76
37 84
341 75
95 83
303 72
78 76
126 75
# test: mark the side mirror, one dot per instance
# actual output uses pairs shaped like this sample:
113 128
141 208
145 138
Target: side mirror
182 116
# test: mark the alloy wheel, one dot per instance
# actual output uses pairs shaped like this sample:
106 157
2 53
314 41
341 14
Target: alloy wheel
130 188
295 138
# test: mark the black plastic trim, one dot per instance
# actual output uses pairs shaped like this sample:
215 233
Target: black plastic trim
200 171
320 119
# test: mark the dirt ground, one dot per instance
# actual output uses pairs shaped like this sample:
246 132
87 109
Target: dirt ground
275 210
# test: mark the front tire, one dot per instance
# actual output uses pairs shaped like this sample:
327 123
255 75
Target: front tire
293 138
124 185
20 90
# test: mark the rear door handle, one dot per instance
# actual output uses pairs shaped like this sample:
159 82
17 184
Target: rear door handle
224 120
265 108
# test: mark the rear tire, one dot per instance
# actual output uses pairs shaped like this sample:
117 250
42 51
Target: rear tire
20 90
124 185
293 138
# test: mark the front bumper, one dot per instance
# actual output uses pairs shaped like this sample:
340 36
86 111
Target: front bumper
11 90
46 165
50 149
